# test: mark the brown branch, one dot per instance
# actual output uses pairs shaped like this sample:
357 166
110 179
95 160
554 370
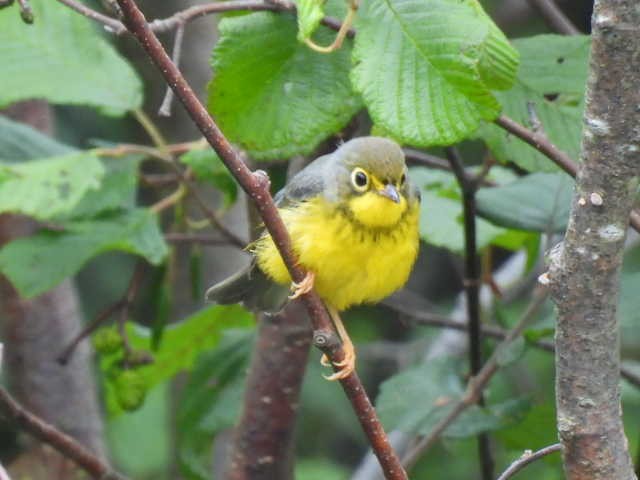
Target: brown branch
527 458
257 187
584 271
263 443
211 215
417 157
540 142
63 443
187 15
122 305
410 305
554 16
471 283
476 384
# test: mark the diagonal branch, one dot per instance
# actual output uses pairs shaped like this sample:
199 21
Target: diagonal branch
476 384
527 458
256 185
540 142
62 442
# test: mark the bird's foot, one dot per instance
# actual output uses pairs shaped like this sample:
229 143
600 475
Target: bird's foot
304 286
347 364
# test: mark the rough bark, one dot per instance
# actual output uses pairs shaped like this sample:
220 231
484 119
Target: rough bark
263 444
36 330
584 270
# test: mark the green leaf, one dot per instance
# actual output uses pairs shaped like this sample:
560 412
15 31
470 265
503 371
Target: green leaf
309 14
212 400
22 142
182 343
63 59
417 399
118 189
426 68
208 167
538 202
49 187
441 213
282 99
37 263
509 353
554 66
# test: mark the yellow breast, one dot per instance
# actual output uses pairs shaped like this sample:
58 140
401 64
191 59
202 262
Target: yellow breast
353 264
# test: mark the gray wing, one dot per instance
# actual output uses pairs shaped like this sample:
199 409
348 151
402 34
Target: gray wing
308 182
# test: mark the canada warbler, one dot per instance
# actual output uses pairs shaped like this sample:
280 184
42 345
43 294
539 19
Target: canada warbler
353 220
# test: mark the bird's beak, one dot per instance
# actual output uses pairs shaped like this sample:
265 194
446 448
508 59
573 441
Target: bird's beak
390 192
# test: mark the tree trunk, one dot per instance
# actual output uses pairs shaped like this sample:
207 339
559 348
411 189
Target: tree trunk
585 269
36 330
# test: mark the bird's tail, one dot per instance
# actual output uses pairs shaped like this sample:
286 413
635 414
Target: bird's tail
251 287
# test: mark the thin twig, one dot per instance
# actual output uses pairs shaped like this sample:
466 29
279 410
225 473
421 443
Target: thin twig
554 16
127 302
110 23
101 318
541 143
26 12
417 157
421 316
49 434
476 384
121 306
257 187
472 289
527 458
165 108
187 15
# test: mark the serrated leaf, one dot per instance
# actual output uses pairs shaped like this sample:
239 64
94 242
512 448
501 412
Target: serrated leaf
283 98
37 263
538 202
426 68
554 66
309 14
49 187
417 399
22 142
208 167
62 58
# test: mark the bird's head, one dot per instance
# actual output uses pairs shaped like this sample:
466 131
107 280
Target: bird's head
372 181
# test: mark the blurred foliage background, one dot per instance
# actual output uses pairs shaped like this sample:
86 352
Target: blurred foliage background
114 216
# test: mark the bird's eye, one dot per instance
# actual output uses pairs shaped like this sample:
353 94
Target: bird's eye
403 179
359 179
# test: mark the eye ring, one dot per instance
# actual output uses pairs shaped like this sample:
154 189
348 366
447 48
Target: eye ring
359 180
403 179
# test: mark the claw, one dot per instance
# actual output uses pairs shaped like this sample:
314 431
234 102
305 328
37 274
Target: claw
304 286
324 361
347 364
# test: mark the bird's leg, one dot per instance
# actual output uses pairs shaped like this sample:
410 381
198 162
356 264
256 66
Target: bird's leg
304 286
348 363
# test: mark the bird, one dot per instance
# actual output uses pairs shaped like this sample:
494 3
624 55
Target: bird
353 218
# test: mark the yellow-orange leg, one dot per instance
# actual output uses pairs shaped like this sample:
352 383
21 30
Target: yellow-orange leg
304 286
347 364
